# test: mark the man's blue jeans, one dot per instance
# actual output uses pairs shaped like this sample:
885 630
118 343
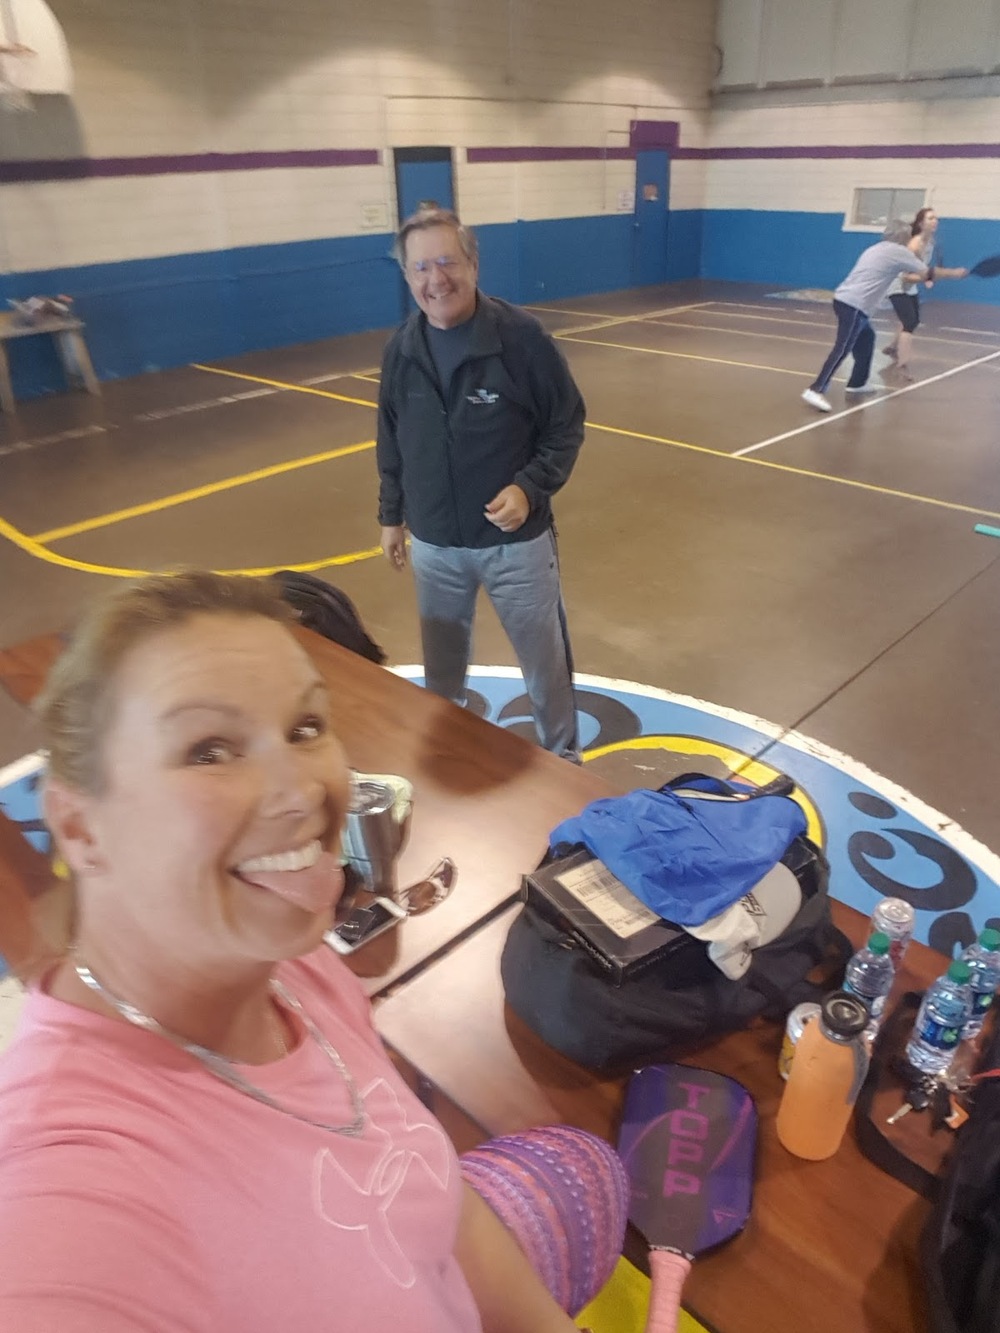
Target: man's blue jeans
522 581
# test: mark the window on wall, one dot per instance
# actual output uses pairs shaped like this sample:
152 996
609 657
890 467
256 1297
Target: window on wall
871 209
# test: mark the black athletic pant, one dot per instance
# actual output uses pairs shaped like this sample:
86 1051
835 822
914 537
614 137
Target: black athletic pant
854 334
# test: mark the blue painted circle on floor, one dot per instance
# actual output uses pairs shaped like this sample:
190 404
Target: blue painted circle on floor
880 841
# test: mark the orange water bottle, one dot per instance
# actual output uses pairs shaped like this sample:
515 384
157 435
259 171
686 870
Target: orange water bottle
830 1065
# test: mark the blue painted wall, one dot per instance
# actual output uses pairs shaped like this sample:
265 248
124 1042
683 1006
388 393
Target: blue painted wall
151 314
575 256
684 241
812 250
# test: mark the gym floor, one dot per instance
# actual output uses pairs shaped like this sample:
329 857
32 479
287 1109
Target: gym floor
718 538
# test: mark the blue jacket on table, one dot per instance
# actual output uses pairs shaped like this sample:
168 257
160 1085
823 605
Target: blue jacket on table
512 414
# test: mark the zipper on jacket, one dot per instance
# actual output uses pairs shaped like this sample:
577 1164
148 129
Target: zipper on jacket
456 507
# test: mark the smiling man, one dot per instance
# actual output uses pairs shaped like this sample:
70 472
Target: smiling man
480 424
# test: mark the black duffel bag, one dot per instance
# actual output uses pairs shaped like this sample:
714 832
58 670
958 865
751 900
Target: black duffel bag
559 988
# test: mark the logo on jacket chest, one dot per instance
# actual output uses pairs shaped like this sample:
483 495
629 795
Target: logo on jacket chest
483 396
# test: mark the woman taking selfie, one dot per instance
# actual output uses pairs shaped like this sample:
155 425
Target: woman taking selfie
200 1131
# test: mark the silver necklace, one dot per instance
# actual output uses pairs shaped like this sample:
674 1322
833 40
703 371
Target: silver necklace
223 1068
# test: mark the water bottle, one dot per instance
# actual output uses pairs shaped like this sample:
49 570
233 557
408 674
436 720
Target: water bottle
896 918
983 958
831 1061
869 976
943 1014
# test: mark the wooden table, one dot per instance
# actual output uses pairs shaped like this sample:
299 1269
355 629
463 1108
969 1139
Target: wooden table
831 1247
482 795
66 333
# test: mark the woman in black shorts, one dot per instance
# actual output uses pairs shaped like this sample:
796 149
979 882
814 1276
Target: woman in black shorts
903 296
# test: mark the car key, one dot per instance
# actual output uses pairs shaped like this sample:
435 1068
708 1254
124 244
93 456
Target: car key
917 1099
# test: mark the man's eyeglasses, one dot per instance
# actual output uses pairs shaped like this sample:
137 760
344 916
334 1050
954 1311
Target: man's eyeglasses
443 262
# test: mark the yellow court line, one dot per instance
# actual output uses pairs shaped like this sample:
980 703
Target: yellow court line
198 493
800 471
689 356
33 548
283 384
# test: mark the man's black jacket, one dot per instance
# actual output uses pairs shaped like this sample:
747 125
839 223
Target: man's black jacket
512 414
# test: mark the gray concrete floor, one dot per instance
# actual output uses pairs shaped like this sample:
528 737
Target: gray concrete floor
864 615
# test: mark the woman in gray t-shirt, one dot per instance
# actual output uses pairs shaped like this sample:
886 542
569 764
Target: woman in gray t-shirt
855 301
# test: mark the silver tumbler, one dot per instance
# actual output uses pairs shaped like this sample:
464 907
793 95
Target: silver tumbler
378 822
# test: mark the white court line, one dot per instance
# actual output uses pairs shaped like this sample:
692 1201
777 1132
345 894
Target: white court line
340 375
878 326
787 338
745 333
984 333
558 310
608 323
777 319
690 356
595 314
862 407
614 321
787 306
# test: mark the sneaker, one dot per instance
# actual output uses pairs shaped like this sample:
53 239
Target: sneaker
890 352
859 388
816 400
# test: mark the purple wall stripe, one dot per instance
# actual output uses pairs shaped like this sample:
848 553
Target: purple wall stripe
644 134
654 134
548 154
897 150
655 138
80 168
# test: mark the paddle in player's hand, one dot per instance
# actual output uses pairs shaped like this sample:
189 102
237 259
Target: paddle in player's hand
986 268
687 1139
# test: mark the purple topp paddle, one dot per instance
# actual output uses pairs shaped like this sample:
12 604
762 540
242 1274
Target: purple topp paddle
687 1139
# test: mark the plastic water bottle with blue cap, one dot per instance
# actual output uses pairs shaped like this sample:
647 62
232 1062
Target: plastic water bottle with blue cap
869 977
944 1012
983 958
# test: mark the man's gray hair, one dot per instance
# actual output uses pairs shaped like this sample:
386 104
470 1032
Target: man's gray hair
427 217
898 231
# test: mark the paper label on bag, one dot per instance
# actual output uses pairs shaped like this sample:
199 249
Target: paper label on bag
607 898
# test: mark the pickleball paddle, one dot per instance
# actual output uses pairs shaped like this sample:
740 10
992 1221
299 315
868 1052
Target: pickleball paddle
986 268
687 1139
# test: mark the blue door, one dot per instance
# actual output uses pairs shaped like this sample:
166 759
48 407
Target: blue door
421 181
423 175
652 195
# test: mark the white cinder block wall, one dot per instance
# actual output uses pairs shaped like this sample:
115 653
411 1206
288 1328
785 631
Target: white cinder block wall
959 187
817 100
236 76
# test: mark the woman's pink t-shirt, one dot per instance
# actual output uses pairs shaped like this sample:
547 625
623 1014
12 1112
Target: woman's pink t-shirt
139 1194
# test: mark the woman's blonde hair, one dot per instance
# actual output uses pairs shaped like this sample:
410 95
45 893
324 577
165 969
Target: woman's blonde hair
77 702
